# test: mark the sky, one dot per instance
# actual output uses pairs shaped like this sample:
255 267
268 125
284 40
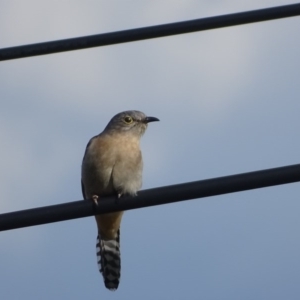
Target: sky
228 101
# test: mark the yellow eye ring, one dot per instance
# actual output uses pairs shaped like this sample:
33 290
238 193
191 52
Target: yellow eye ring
128 120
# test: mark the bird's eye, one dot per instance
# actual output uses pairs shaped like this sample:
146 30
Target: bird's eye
128 120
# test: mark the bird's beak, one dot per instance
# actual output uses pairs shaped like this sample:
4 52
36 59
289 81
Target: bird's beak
150 119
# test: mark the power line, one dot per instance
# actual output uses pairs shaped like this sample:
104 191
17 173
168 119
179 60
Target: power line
150 32
152 197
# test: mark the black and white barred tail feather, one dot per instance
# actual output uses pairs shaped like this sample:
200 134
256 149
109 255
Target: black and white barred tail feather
109 260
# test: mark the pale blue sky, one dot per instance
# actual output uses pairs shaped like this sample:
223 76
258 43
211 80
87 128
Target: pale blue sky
228 101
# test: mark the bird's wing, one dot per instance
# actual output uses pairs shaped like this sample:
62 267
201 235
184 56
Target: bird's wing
82 189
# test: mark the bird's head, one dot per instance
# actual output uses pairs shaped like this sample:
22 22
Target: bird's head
131 121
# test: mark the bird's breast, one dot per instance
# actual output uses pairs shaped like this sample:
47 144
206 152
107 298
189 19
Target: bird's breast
112 164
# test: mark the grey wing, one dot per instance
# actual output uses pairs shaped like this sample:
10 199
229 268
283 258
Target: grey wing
82 189
85 153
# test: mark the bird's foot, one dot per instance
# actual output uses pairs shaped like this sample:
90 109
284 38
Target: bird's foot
95 199
118 198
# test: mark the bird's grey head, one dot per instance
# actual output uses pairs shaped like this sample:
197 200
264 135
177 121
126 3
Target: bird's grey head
131 121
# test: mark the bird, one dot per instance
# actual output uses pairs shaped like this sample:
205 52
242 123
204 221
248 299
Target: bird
112 166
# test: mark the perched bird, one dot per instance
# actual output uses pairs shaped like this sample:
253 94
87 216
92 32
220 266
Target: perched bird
112 165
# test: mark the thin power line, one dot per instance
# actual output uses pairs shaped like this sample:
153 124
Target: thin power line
150 32
151 197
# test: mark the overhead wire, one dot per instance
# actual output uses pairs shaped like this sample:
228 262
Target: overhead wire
152 197
150 32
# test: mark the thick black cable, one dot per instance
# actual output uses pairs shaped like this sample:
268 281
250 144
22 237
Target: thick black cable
151 197
150 32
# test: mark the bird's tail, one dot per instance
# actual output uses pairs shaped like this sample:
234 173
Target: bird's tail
109 260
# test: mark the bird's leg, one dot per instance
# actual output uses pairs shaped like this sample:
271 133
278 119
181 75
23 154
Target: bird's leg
95 199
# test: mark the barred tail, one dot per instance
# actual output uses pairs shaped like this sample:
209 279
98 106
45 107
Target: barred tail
109 260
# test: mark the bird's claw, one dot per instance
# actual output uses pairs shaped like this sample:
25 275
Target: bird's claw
95 199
